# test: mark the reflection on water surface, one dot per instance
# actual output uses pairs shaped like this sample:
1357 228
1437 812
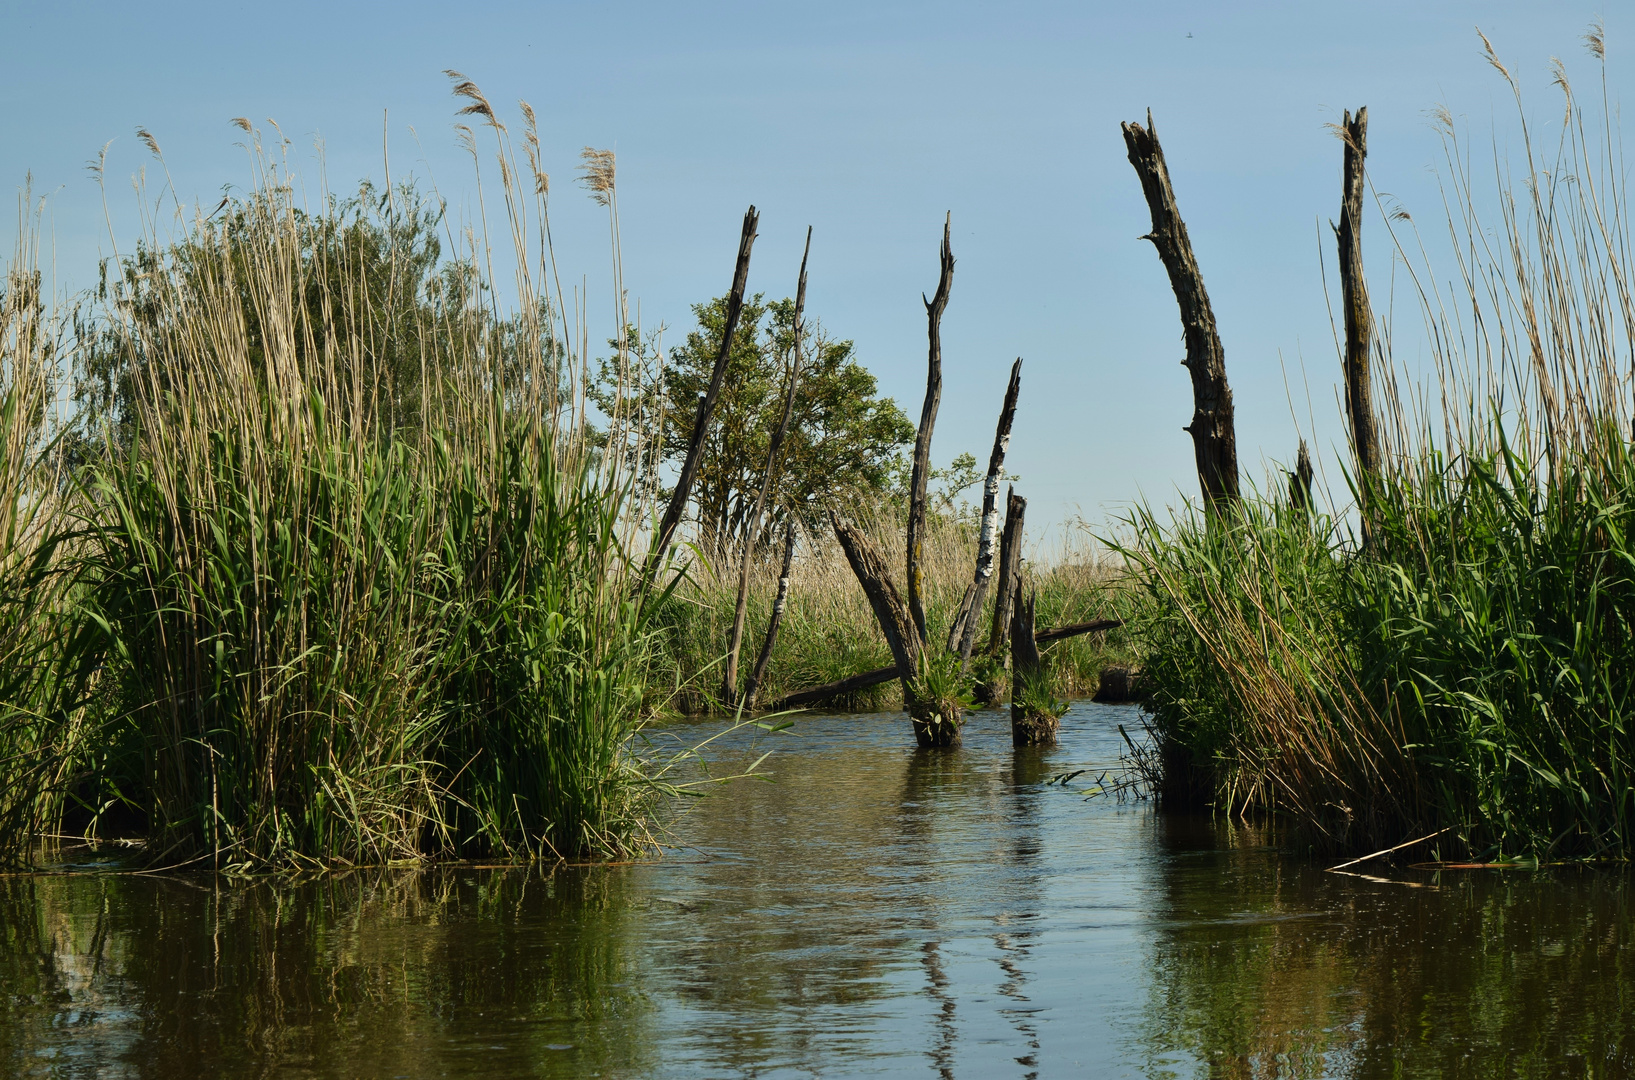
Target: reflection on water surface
876 911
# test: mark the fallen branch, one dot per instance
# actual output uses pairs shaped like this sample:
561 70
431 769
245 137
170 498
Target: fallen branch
1388 850
1075 629
864 680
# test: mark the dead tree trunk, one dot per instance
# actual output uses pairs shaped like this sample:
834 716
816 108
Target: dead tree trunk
753 687
752 531
972 609
936 722
887 603
706 405
987 690
1214 440
1034 719
1010 568
1300 481
1359 320
922 440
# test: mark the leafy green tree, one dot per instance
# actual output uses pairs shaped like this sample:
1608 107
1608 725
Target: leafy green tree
844 445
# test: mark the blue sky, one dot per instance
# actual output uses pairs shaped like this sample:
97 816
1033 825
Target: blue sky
867 121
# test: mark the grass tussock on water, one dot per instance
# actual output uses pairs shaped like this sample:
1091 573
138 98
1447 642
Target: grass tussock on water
1456 653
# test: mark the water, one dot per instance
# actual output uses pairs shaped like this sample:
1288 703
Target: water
876 911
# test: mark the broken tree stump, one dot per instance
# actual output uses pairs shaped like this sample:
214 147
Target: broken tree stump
1010 568
1214 438
972 608
921 474
936 723
1359 320
1034 718
1300 480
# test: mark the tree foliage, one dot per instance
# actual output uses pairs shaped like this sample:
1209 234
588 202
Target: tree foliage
844 442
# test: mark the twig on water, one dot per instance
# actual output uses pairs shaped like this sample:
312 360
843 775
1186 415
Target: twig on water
1388 850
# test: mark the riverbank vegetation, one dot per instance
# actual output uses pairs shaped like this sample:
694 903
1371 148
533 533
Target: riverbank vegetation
1450 655
320 566
318 554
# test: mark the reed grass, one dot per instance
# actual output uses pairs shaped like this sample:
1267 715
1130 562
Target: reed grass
47 660
341 580
1456 653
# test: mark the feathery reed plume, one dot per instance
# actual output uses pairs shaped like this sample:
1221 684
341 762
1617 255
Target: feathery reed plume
1595 39
242 122
465 88
149 141
98 167
1493 57
597 174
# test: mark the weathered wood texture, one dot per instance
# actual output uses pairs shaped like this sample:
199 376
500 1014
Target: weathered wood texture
972 608
1300 480
1094 626
1028 726
887 603
1010 570
1024 646
1359 319
1214 439
753 687
706 407
921 473
864 680
729 681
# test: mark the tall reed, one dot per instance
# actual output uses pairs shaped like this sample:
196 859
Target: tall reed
1464 662
46 659
356 585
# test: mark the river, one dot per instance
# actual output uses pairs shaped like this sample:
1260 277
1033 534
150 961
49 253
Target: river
873 911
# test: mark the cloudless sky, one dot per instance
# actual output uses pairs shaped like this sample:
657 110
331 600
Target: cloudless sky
867 121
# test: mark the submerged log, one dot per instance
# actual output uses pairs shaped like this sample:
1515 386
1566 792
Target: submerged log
921 474
1214 439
